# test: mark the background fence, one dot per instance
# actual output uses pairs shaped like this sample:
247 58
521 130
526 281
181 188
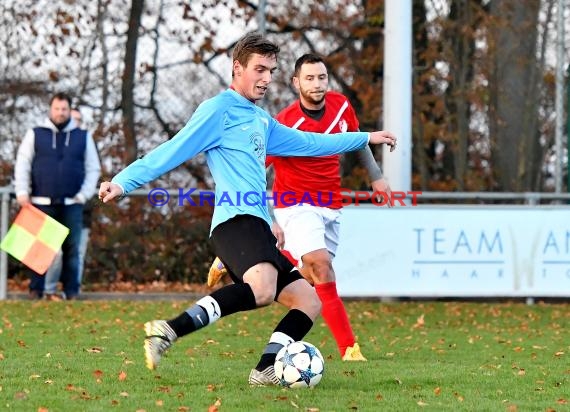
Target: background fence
378 253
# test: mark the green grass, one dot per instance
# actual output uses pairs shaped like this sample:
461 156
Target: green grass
87 356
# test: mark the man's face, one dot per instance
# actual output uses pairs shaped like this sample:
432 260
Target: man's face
252 80
59 111
312 83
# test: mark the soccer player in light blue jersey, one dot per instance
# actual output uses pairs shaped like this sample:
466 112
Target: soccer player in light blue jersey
236 135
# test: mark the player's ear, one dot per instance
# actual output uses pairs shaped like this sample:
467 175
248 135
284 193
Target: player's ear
296 84
237 68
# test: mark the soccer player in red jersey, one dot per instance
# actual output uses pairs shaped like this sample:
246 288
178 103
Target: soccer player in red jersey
311 225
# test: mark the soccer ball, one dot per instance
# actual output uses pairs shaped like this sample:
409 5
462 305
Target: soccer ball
299 365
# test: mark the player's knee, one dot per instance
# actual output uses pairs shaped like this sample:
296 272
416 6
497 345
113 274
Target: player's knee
322 271
312 306
264 297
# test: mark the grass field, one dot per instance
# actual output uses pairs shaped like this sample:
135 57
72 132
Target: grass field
87 356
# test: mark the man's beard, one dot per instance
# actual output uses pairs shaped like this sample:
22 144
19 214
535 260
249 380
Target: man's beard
309 98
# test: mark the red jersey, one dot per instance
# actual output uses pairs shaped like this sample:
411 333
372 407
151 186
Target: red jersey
312 178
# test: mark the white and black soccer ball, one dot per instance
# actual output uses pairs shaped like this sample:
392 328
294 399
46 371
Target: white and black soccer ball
299 365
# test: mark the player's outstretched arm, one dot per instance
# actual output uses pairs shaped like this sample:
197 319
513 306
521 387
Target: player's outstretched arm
383 137
109 191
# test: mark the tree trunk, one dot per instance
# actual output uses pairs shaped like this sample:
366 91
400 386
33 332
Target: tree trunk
513 105
127 99
420 44
461 75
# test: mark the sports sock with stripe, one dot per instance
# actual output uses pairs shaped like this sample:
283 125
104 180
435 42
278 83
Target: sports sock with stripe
222 302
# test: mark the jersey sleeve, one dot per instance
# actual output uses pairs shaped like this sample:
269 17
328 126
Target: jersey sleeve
353 124
285 141
201 133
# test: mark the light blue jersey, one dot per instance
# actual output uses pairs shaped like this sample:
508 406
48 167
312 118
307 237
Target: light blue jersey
235 135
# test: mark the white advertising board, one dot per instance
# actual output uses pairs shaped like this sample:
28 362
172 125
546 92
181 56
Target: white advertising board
456 251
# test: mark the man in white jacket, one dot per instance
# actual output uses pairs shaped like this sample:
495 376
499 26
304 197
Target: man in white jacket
57 170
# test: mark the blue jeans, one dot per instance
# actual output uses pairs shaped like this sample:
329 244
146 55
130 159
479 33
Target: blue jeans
70 216
53 273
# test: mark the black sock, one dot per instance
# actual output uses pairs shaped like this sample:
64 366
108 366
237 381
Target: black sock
293 327
222 302
235 298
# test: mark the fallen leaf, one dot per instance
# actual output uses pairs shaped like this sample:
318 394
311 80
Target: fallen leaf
34 376
95 350
159 402
122 376
512 408
437 391
124 394
562 401
97 373
422 403
42 409
419 322
521 372
559 353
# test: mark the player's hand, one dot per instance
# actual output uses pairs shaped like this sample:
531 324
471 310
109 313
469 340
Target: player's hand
383 137
279 234
109 191
23 199
382 186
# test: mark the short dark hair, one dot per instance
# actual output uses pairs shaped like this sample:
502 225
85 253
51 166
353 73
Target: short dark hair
61 96
253 43
308 58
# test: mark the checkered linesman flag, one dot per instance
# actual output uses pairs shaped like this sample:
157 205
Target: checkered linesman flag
34 239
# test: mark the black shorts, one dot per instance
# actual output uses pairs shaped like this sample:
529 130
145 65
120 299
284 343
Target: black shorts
244 241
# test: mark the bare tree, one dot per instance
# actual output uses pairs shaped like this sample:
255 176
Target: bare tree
127 98
513 42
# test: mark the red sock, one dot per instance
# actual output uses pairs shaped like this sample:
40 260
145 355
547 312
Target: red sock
335 315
